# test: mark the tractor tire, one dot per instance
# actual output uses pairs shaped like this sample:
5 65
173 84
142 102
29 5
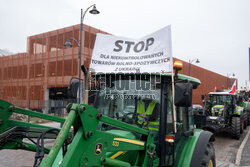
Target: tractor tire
209 157
245 120
235 127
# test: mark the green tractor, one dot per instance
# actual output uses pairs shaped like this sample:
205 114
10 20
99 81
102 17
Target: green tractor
119 130
223 112
244 98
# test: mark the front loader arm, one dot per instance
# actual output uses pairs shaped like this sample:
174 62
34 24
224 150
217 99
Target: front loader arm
13 132
89 146
93 147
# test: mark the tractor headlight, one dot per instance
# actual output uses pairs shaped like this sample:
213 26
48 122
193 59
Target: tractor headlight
213 118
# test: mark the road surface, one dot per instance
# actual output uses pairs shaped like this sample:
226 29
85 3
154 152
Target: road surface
226 148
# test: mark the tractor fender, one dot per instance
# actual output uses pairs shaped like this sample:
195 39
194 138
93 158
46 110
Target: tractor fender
200 147
235 115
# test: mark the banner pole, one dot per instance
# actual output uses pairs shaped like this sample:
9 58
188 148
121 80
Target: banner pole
174 111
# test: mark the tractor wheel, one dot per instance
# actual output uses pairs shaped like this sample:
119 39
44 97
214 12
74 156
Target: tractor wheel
245 120
209 157
235 127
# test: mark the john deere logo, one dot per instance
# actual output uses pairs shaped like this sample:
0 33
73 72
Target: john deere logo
98 149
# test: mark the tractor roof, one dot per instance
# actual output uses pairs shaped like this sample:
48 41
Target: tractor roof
180 76
221 93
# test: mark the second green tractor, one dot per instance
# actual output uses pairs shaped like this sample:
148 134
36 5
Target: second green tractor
223 111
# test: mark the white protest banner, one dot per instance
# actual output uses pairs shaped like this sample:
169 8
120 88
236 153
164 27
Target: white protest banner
152 53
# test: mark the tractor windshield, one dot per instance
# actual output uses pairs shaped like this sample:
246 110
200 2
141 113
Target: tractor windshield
130 98
220 99
136 100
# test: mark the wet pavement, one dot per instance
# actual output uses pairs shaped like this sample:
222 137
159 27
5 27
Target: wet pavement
245 156
226 149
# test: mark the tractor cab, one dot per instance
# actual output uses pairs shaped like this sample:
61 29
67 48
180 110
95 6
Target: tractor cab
147 101
129 97
126 96
245 94
221 101
224 103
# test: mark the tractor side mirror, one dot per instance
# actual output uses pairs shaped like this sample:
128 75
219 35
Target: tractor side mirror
84 70
202 97
73 88
238 100
183 94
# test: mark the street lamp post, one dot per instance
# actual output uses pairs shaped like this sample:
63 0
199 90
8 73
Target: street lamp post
79 44
190 62
230 75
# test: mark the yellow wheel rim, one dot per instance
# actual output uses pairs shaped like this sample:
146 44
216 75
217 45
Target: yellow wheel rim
211 163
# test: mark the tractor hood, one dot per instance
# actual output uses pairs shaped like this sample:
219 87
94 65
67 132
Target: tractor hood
127 137
218 106
217 110
122 133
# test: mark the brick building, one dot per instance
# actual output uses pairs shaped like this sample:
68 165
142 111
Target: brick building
44 71
209 80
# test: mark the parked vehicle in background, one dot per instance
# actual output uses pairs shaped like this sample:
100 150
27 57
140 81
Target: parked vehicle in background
197 109
222 112
243 96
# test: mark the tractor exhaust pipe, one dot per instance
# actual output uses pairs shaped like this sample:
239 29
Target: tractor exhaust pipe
86 85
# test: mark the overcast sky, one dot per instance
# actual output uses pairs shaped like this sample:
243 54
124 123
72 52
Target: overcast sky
215 31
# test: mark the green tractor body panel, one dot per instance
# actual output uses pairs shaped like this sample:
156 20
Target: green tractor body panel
122 133
238 110
120 158
245 104
188 150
